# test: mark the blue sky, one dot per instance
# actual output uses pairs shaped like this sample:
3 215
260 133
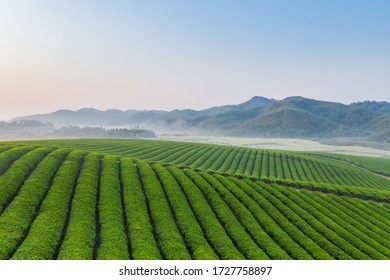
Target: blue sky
189 54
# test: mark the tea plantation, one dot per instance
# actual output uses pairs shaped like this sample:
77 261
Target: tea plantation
150 199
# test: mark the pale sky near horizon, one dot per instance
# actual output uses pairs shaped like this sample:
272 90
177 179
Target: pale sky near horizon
189 54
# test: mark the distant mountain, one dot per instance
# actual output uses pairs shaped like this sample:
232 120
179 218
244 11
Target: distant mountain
24 128
291 117
113 117
374 106
93 117
254 102
294 117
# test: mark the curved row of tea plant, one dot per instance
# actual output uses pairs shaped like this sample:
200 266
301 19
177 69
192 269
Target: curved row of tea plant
78 205
247 162
18 217
44 234
374 164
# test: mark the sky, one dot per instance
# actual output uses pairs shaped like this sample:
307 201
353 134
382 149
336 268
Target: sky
170 54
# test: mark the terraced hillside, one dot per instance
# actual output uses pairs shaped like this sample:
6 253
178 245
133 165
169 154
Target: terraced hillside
107 199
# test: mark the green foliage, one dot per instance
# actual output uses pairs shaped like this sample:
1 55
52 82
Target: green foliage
143 243
8 156
250 221
186 221
310 167
374 164
80 235
113 240
19 215
169 237
298 228
287 235
206 218
328 227
231 222
44 235
346 230
16 175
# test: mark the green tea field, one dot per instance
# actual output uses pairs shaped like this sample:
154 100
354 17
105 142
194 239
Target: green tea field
151 199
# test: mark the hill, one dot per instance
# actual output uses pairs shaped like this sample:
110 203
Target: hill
297 117
257 117
381 107
186 201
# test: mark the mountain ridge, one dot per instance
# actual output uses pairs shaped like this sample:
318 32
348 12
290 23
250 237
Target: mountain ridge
294 116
